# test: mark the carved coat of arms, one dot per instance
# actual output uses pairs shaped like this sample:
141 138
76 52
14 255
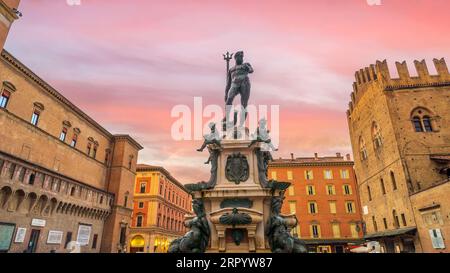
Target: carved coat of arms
237 169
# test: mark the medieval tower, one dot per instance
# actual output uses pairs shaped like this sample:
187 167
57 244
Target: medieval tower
400 135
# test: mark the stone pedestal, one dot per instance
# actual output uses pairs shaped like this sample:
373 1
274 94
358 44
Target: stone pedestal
237 187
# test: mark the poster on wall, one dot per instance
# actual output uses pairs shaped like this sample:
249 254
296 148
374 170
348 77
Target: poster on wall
6 235
54 237
84 234
20 235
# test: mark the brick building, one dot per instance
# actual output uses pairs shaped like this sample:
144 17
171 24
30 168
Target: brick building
400 135
160 204
63 177
324 197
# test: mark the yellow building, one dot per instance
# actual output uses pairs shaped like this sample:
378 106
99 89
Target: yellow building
159 206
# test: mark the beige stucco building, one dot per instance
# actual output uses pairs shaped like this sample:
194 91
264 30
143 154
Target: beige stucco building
63 177
400 135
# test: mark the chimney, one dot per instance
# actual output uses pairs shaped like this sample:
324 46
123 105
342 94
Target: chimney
315 156
292 156
338 154
348 157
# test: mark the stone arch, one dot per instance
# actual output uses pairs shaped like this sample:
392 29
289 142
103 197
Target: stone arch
9 86
72 209
5 195
16 201
40 205
53 205
59 207
67 208
423 119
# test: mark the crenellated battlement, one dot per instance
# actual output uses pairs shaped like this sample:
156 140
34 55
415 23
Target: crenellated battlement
378 74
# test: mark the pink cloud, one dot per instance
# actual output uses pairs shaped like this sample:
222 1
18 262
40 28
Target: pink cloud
127 64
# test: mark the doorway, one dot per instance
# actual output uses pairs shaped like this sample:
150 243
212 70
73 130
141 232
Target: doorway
34 238
324 249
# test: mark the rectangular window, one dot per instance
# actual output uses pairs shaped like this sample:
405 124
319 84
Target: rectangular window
328 174
35 118
332 207
309 175
353 230
404 220
336 230
291 190
312 207
274 175
141 205
139 219
374 222
74 141
369 194
350 207
345 174
383 189
347 189
310 190
143 187
94 241
94 153
315 231
4 99
385 223
292 207
331 190
290 176
63 134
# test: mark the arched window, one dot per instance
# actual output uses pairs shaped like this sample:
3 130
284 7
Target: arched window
362 149
422 120
376 136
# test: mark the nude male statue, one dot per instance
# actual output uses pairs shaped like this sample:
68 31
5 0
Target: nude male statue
238 83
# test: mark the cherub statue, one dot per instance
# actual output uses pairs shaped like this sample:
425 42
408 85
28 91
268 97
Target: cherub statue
262 135
211 138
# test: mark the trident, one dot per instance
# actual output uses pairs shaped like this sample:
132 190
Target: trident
227 57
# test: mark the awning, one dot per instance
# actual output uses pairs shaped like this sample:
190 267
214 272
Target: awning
331 241
391 233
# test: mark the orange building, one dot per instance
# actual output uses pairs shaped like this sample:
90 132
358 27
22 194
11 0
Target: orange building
160 204
324 196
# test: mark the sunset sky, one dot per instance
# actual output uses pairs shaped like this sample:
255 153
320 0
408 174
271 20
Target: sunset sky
127 63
